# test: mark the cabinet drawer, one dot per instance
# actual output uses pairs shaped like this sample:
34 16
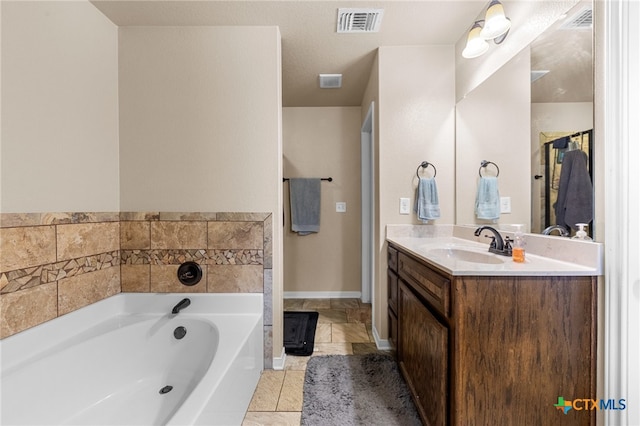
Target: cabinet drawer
433 287
392 259
392 282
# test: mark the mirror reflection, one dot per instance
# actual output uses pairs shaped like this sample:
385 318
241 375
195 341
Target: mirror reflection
562 121
529 117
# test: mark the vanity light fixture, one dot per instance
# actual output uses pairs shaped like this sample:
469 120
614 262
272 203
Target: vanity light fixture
495 26
476 44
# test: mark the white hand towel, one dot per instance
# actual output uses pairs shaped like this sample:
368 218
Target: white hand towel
427 205
488 199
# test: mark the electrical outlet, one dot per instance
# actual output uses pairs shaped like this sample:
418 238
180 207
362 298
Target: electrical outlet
404 206
341 207
505 204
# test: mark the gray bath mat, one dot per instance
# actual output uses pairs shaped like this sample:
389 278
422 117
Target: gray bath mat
356 390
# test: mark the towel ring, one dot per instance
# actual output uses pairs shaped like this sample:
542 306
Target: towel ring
424 165
485 163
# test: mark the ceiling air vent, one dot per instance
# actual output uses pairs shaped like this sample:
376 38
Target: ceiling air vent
359 20
330 81
582 20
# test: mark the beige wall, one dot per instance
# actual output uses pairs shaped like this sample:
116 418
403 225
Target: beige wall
416 123
324 142
560 117
494 124
199 118
200 113
59 108
142 119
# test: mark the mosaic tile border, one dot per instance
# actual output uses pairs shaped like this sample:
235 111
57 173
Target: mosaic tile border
21 279
176 257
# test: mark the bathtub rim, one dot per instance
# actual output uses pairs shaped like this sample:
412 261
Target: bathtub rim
41 339
195 410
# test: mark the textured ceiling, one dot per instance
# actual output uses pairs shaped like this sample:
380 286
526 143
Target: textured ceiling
568 55
310 43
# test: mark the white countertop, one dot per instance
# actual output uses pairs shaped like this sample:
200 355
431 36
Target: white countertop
562 256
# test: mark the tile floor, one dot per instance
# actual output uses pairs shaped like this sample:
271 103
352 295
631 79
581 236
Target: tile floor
344 328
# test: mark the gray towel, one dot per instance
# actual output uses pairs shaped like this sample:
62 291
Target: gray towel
561 143
575 191
488 199
427 205
304 197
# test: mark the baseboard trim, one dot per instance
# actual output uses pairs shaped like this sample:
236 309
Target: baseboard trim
278 362
322 294
381 344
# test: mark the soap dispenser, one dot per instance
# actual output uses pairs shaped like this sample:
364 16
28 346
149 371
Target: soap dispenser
581 234
517 252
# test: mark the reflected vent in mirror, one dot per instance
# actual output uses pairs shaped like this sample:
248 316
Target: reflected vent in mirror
583 20
538 74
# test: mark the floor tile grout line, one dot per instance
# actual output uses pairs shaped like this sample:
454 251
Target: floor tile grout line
348 347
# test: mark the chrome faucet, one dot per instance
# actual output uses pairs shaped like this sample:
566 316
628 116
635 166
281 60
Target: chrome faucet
180 306
498 245
562 231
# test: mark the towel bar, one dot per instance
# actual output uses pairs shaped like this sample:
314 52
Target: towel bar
424 165
329 179
485 163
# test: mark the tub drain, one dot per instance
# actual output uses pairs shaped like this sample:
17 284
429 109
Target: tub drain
179 332
166 389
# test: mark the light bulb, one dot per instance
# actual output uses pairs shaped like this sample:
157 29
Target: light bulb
495 22
476 45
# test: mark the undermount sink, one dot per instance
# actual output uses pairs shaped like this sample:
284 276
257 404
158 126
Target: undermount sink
465 255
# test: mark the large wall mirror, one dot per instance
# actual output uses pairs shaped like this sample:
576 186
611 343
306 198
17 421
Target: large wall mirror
561 112
520 118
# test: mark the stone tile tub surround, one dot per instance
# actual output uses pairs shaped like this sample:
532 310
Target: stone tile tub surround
584 253
55 263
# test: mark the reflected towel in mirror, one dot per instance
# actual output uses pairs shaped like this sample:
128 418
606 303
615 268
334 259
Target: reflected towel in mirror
488 199
575 191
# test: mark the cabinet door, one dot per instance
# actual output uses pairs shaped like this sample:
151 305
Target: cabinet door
392 284
424 356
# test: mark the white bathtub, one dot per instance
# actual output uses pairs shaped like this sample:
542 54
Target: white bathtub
105 364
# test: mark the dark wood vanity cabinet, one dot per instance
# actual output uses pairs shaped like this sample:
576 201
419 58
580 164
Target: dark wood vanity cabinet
494 350
392 290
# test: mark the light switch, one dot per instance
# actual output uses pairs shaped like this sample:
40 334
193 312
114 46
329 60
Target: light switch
505 204
404 206
341 207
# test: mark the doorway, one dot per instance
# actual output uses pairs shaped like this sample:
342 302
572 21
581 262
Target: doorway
367 199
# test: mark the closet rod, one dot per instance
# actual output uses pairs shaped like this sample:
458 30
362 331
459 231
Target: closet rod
329 179
584 132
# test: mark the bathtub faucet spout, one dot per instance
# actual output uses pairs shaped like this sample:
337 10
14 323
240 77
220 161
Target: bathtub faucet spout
180 306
